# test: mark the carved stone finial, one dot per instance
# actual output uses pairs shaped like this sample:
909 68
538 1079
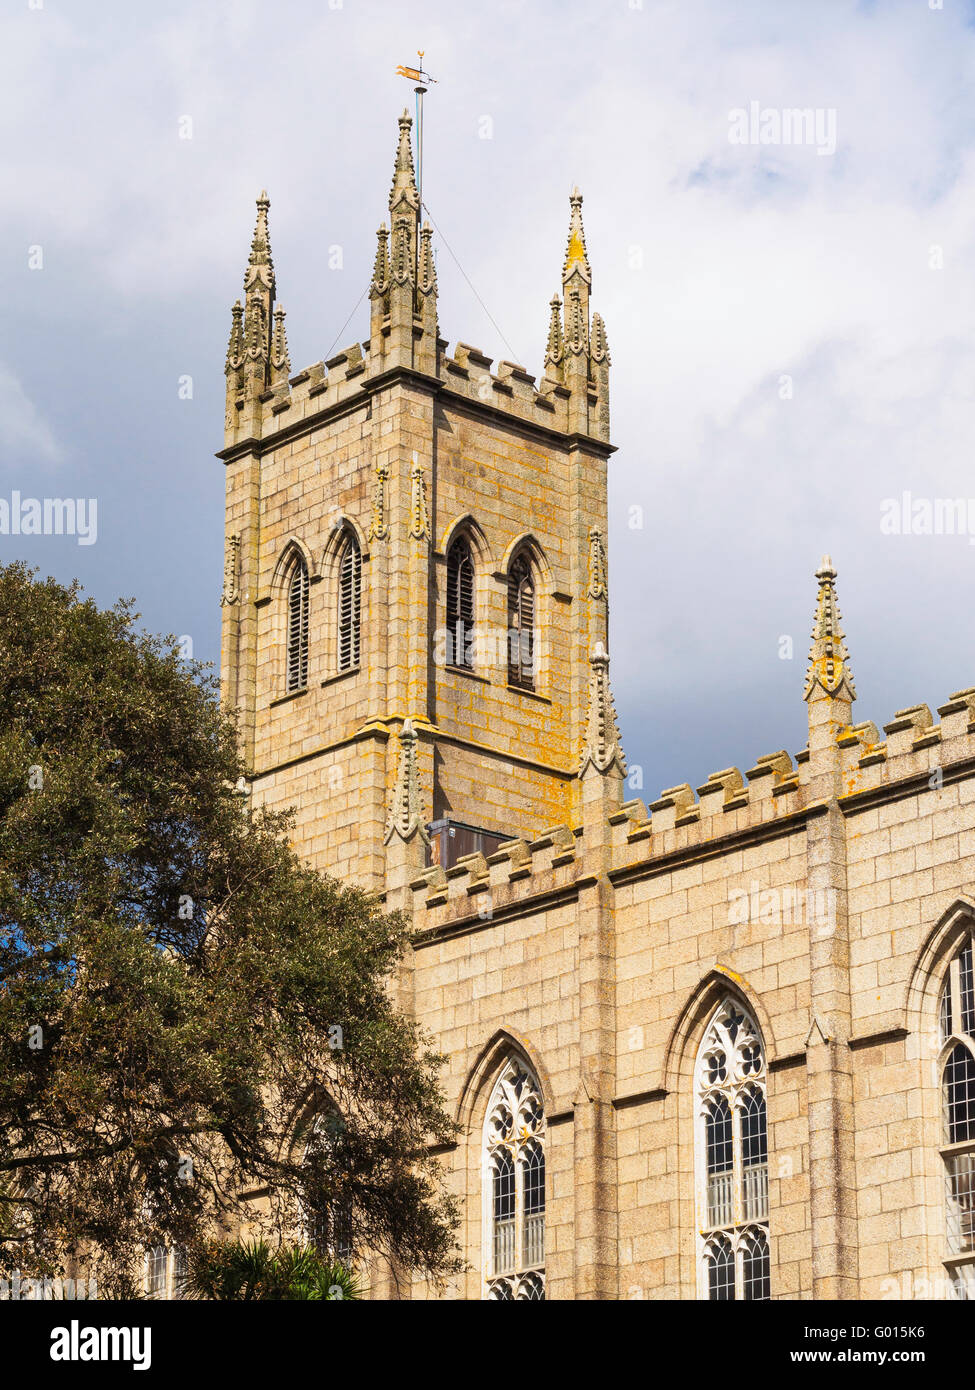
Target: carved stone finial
599 348
280 361
555 347
231 571
427 276
378 530
259 288
603 749
404 191
575 324
597 564
235 347
829 659
576 257
260 266
380 270
401 254
406 811
255 332
419 521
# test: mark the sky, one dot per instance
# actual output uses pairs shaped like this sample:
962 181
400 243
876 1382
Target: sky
790 306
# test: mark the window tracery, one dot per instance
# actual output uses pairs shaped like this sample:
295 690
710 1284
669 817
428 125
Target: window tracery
514 1148
732 1146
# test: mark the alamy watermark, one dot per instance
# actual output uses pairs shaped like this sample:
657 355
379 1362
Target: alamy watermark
45 1289
476 648
782 907
789 125
50 516
908 515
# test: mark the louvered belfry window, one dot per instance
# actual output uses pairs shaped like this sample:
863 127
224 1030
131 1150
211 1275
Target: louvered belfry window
350 603
296 677
460 605
521 624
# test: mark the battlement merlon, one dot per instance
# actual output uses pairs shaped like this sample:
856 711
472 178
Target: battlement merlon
265 404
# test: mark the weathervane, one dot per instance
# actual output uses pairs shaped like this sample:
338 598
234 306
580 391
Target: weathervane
422 79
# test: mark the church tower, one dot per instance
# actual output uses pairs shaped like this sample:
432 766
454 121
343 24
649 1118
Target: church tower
415 591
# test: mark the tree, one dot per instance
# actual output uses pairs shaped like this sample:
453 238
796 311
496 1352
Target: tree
251 1270
180 997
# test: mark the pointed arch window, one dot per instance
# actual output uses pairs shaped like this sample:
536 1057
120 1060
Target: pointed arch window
521 624
957 1018
296 656
732 1157
328 1219
460 605
514 1186
350 603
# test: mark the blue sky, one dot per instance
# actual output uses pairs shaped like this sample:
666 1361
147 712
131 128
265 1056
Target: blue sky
793 333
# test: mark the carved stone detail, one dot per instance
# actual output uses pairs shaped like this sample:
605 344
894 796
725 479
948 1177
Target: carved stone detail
378 531
597 564
231 571
419 521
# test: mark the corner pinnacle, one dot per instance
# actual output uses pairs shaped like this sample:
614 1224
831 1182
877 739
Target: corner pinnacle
576 256
829 659
404 175
603 748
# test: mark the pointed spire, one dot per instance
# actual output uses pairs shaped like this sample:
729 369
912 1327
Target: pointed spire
576 256
603 749
259 302
828 657
406 812
280 361
260 266
555 347
404 177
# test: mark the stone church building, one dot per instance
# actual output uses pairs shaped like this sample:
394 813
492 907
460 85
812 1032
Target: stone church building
718 1045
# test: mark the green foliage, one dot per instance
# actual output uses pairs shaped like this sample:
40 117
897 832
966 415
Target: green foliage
252 1270
171 976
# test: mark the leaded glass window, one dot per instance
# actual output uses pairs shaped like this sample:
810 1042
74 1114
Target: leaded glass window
328 1219
165 1272
514 1150
732 1145
957 1018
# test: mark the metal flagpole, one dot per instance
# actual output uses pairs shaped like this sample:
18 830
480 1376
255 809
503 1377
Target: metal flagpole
423 79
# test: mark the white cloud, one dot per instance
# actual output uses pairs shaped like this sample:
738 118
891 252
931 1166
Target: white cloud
25 437
757 262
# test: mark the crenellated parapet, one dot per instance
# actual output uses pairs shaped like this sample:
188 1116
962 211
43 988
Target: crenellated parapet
731 809
466 376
